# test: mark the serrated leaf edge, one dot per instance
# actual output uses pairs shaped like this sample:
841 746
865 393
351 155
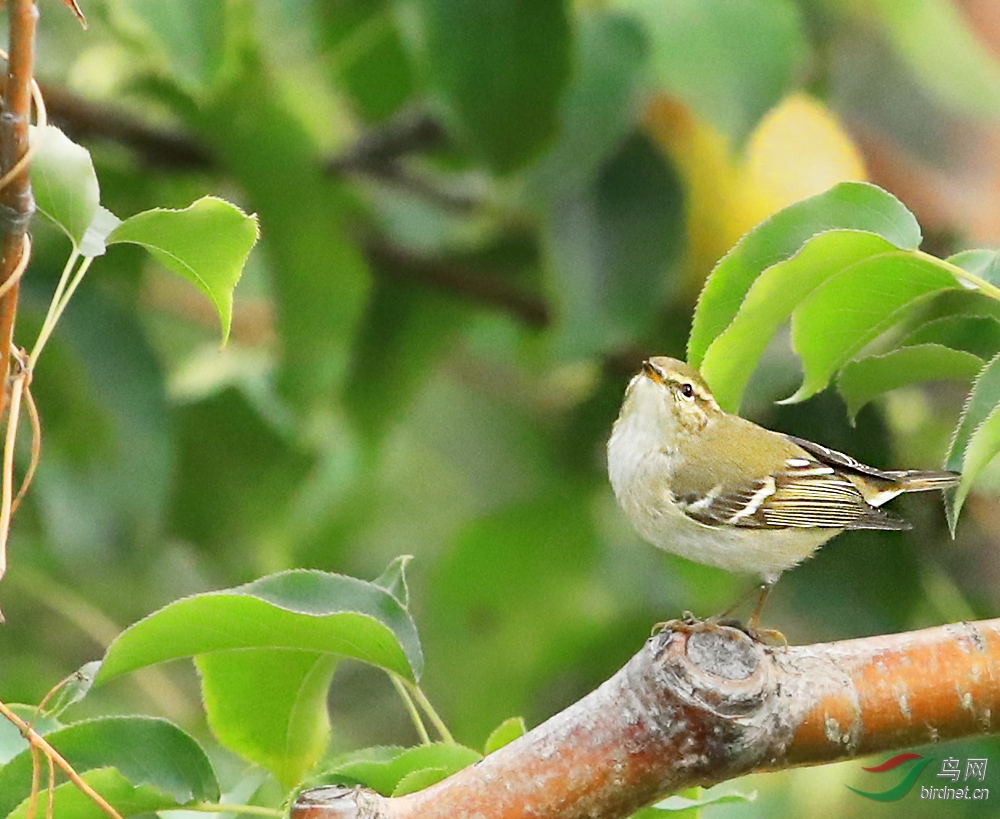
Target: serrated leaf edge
872 334
952 494
857 359
768 221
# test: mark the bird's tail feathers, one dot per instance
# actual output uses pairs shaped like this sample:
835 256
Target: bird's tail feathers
916 480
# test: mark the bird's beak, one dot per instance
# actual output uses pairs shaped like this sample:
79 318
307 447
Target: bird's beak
652 372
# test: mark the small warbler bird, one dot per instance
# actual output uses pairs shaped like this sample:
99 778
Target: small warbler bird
718 489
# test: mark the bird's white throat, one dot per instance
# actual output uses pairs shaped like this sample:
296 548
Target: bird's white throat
646 428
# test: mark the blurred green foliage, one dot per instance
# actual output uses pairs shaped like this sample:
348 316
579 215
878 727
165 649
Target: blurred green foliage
473 230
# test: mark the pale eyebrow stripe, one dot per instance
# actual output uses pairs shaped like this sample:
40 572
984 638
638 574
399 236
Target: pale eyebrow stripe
699 391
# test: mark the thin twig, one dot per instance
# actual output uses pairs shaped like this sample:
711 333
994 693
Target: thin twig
55 689
35 740
36 782
50 807
36 443
22 265
41 118
16 203
7 478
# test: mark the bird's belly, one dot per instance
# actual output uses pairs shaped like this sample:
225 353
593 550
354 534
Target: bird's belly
765 552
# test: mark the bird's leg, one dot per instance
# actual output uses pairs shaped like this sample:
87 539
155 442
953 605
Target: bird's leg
762 594
759 590
753 629
688 622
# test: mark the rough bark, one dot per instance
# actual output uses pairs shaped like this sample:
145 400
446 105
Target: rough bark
697 706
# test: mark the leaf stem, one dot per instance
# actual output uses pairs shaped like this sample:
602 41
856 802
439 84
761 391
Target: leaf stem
425 704
15 197
64 292
226 807
987 288
411 708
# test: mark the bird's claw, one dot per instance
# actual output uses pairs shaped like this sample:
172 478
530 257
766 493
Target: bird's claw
686 623
689 623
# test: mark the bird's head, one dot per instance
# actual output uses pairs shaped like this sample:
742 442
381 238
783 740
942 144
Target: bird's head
671 394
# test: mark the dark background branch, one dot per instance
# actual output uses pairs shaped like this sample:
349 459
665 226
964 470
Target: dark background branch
378 155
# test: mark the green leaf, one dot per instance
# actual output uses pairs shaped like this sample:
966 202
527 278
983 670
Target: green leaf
367 54
983 448
849 205
598 110
393 580
731 359
861 380
269 706
953 318
418 780
611 246
73 689
384 769
680 803
729 60
506 732
500 66
64 183
94 241
849 310
980 262
979 335
11 741
320 277
146 751
71 803
942 51
414 328
976 439
309 610
206 243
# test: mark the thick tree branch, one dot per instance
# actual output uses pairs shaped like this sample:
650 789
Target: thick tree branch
701 705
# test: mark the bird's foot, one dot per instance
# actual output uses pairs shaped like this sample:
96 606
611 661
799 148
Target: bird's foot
688 623
760 635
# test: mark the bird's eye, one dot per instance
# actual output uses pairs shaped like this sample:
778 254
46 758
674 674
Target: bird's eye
687 390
